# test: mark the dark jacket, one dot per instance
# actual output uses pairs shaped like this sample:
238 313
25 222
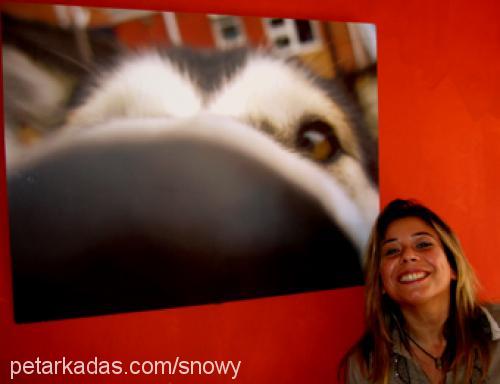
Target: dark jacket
405 370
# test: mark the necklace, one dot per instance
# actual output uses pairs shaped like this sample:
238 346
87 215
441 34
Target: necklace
438 362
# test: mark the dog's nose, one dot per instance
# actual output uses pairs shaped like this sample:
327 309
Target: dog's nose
108 226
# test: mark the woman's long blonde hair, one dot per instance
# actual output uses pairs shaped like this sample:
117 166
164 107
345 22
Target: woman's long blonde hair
466 342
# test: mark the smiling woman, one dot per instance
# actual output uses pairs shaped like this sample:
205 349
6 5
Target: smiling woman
413 267
424 322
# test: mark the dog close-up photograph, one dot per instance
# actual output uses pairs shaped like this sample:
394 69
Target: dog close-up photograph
159 159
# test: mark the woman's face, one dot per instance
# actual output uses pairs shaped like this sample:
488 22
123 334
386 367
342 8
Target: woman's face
414 268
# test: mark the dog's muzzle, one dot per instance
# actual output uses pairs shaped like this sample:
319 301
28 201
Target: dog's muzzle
156 213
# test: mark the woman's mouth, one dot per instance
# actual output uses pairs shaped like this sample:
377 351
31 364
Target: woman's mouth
411 277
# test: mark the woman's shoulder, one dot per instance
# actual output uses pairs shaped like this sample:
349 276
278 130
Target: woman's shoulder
357 360
355 369
493 309
492 313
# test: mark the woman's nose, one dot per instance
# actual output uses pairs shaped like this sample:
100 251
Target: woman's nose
408 254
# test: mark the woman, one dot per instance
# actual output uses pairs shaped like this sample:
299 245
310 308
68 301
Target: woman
424 323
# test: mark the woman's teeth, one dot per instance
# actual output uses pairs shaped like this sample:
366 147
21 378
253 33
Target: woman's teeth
412 276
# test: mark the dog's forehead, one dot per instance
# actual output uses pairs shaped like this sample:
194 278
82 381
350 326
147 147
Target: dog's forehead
208 69
250 86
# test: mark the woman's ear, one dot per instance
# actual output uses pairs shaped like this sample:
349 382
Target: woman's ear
453 275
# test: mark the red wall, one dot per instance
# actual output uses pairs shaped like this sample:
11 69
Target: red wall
439 141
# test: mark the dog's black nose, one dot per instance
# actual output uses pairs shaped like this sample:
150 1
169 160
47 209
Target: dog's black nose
103 227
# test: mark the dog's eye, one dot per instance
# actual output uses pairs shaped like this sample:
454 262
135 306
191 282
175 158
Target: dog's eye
318 140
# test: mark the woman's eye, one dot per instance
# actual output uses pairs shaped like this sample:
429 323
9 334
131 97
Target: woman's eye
391 251
423 245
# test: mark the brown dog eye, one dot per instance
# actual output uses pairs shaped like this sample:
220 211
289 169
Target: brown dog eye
317 139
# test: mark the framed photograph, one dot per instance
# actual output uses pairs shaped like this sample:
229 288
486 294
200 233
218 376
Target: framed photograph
161 159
